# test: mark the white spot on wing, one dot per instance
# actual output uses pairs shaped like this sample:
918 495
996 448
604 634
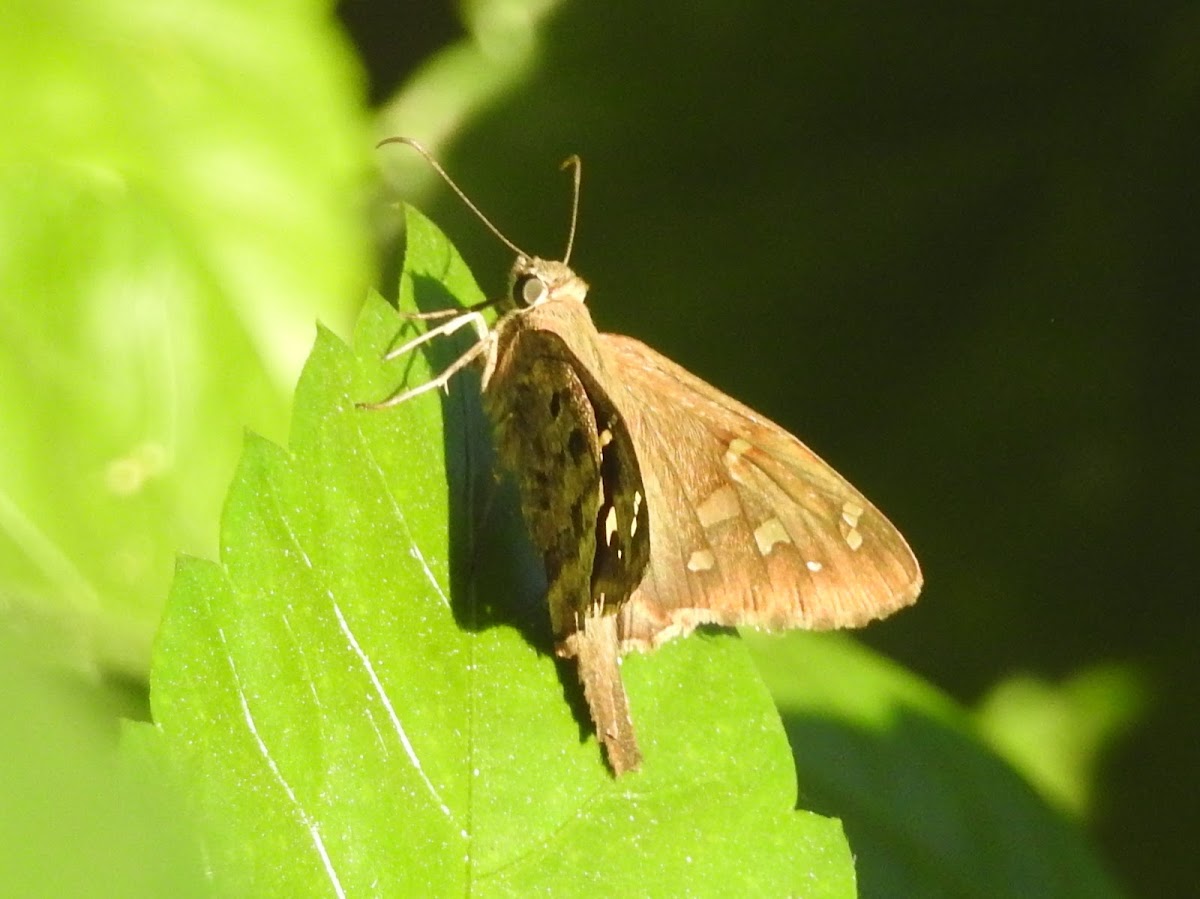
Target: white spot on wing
721 505
736 465
769 533
610 525
813 566
701 560
737 448
851 512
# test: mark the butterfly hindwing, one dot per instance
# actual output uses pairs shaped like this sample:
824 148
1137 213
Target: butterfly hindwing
763 532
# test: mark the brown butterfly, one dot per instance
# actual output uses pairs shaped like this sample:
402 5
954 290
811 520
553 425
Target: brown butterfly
657 502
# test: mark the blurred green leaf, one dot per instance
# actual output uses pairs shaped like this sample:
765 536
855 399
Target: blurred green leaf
360 697
73 820
929 809
178 200
463 80
1055 734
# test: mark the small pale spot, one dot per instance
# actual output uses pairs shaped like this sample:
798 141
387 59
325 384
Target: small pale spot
770 532
721 505
637 502
701 560
813 566
851 511
610 525
737 449
605 437
854 539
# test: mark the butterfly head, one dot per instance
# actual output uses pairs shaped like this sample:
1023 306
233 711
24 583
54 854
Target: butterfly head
535 281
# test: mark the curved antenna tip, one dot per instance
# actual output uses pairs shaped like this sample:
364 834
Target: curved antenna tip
445 176
574 163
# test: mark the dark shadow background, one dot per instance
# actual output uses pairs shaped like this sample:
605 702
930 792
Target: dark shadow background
957 251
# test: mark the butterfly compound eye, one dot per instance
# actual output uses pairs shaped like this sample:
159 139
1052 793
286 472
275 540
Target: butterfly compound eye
529 290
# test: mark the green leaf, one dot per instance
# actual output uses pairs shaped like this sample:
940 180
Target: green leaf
178 201
71 823
363 699
928 807
1055 734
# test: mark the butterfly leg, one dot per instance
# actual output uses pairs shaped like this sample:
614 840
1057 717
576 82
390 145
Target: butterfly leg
480 347
474 319
440 381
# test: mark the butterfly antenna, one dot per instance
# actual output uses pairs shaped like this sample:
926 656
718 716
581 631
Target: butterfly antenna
437 167
574 163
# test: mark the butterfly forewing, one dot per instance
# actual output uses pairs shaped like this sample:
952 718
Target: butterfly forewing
762 532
